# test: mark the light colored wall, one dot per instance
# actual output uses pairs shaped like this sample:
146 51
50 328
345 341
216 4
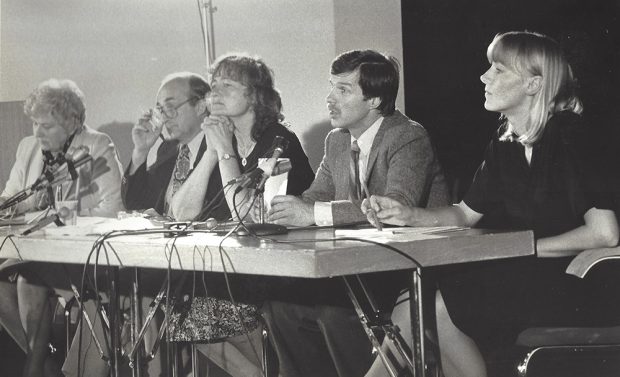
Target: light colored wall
370 24
118 50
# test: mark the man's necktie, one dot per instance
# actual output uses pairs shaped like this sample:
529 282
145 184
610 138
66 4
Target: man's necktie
356 188
181 169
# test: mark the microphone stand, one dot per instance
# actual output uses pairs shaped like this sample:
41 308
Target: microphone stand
261 228
48 180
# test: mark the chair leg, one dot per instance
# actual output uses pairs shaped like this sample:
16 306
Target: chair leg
175 359
265 354
195 363
68 337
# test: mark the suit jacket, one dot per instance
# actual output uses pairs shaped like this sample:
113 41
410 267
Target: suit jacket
146 188
401 165
99 181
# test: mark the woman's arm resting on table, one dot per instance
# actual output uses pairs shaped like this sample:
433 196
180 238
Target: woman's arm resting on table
600 230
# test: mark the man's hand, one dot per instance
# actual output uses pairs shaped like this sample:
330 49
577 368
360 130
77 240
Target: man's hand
290 210
144 134
388 211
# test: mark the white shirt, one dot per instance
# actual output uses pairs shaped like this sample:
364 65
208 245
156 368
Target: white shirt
322 210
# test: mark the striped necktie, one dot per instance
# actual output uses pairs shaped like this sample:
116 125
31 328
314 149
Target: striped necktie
181 169
354 173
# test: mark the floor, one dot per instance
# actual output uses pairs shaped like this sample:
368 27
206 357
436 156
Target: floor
11 357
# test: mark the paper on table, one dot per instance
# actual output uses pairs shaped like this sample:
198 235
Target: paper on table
400 234
275 184
99 225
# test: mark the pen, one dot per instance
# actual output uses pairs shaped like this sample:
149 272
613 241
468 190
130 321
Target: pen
371 211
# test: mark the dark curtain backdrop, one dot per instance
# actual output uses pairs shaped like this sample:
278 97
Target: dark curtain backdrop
444 46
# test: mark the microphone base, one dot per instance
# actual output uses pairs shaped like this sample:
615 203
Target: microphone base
261 230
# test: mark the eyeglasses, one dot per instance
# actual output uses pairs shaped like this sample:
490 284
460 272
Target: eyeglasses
171 112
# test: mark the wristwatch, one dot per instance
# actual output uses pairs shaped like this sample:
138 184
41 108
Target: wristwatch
226 156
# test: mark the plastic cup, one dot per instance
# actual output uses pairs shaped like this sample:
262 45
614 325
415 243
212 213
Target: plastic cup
68 211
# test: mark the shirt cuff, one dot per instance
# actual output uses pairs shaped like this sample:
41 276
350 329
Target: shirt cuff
323 214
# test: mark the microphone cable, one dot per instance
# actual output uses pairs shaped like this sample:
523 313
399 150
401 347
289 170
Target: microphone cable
235 306
332 239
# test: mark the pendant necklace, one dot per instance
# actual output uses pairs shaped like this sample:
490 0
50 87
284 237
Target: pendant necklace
248 151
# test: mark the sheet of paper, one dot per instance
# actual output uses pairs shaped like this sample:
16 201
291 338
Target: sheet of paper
275 185
98 225
400 234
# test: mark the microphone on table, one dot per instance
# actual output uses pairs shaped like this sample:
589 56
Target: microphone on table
57 217
257 177
282 167
71 161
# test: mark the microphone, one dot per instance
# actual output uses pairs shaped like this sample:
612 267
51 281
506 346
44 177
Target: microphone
282 167
266 169
57 217
73 160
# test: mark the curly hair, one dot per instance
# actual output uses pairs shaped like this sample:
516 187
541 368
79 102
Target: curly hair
258 78
61 98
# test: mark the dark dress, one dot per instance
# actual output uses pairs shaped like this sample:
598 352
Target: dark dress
492 302
299 177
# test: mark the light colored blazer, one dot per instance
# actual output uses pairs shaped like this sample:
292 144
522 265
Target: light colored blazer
401 165
99 180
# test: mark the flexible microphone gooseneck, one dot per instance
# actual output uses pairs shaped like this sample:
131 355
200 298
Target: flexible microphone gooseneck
72 161
57 217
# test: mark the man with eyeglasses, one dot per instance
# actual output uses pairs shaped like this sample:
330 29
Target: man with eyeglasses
181 108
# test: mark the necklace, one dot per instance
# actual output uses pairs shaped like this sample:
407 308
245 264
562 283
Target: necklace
246 152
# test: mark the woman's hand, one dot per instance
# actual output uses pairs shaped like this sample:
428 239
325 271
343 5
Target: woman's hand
388 210
218 131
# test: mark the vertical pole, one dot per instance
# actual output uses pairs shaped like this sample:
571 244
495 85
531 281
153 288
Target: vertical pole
209 31
261 203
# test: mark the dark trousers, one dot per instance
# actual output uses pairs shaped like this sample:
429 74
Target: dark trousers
317 340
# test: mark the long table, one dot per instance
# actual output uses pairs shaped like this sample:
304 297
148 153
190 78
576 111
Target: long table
310 253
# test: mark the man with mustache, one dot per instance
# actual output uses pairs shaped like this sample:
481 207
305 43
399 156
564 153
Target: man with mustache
393 155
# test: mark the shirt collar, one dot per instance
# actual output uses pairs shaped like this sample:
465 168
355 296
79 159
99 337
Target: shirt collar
365 140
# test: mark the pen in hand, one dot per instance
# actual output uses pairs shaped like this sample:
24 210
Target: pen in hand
370 210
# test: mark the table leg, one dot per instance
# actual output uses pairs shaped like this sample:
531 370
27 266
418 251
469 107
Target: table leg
417 323
136 321
115 322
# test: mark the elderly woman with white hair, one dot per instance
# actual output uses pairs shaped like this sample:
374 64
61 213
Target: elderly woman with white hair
57 111
56 108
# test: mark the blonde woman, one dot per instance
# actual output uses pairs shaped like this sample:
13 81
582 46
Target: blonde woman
536 175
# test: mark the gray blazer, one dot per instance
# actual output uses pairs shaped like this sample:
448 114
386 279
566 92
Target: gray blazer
402 165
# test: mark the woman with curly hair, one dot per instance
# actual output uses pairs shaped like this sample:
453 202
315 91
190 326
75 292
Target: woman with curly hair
246 117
